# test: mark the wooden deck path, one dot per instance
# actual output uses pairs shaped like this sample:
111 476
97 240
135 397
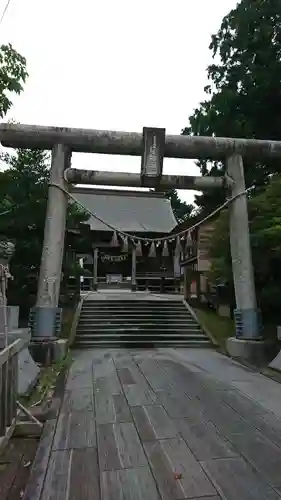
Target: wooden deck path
140 425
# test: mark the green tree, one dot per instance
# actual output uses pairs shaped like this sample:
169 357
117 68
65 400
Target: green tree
182 210
23 194
265 228
13 75
243 97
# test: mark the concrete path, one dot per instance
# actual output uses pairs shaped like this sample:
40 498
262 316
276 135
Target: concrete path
162 424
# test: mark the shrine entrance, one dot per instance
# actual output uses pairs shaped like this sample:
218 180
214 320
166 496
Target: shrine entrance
152 145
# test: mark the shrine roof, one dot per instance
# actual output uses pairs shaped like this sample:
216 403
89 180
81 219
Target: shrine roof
129 211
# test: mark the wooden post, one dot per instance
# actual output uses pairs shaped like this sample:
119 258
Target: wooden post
134 269
95 269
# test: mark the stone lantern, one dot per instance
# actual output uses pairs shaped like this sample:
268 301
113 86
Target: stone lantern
7 249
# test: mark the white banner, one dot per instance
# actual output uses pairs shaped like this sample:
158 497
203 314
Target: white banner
113 258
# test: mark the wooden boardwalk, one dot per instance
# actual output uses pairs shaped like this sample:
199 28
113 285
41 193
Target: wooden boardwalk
138 425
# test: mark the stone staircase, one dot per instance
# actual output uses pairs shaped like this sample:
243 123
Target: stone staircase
115 323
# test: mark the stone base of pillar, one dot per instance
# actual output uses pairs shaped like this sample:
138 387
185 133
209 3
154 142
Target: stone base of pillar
134 288
45 322
47 351
248 324
95 287
251 351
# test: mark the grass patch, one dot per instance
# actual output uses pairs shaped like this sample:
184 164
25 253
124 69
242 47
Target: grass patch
221 328
47 381
67 319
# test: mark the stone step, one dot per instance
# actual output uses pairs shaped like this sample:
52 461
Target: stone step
122 310
136 304
134 312
143 344
119 300
139 322
135 330
134 319
86 336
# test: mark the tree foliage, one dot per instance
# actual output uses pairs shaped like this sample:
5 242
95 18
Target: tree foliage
265 231
23 194
181 209
243 99
243 96
13 75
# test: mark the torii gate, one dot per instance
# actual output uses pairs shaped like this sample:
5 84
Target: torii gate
152 145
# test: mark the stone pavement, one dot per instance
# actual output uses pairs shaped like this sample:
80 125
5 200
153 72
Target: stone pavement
162 424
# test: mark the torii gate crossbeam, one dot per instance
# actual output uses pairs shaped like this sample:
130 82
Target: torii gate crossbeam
64 141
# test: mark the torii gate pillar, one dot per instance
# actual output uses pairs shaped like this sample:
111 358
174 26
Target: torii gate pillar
46 312
247 316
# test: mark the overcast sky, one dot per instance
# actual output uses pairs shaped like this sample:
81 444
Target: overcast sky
117 65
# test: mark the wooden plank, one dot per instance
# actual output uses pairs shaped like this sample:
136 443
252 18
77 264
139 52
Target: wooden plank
111 409
29 447
104 369
241 403
264 455
104 408
126 376
8 473
234 478
11 350
75 430
152 423
4 440
15 367
56 482
170 457
179 405
107 448
129 363
10 392
79 380
26 428
268 424
2 423
78 400
14 467
183 380
108 385
124 360
204 440
139 395
155 375
130 484
4 400
39 468
225 419
84 475
121 409
119 447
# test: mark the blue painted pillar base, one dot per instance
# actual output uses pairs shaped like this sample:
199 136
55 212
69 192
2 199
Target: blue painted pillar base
45 322
248 324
